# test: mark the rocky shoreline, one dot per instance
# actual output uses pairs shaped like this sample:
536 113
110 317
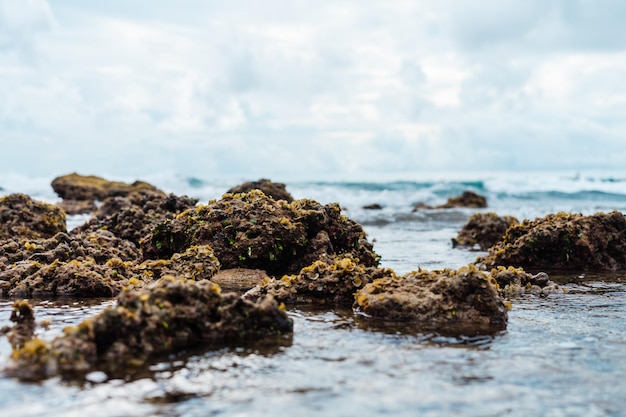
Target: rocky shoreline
169 261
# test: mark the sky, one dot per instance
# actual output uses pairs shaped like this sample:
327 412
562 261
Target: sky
308 88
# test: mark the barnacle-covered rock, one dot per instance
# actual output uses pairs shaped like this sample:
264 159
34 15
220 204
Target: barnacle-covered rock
483 230
276 190
563 241
466 298
23 217
166 317
468 199
328 280
252 230
133 216
515 281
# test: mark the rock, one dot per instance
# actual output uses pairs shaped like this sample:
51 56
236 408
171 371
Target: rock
164 318
252 230
467 199
95 264
90 187
23 217
328 280
467 299
239 280
79 192
78 206
133 216
513 282
374 206
483 230
276 190
23 330
563 241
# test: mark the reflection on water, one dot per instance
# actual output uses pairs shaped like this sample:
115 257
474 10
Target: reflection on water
563 355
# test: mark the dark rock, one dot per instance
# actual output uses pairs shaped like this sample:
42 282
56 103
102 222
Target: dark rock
374 206
166 317
467 199
563 241
23 217
466 298
134 216
483 230
276 190
255 231
328 280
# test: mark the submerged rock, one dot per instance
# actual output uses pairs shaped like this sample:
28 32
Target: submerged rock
468 199
465 298
563 241
276 190
329 280
252 230
23 217
167 317
483 230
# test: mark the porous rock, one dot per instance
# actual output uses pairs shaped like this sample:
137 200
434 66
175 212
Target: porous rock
23 217
166 317
563 241
276 190
133 216
483 230
327 280
466 298
252 230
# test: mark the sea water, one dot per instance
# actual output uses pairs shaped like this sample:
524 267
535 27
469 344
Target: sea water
561 355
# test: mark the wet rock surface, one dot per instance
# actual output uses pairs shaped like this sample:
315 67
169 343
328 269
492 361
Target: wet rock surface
483 230
563 241
252 230
239 280
326 281
23 217
464 297
276 190
513 282
170 315
133 216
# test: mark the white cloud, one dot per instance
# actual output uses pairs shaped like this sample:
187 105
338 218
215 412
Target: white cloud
309 88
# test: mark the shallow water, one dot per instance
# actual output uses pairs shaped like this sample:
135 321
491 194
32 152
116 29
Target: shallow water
561 355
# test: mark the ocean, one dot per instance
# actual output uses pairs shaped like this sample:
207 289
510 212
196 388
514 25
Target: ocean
561 355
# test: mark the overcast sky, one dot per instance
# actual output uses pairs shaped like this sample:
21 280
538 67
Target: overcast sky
278 88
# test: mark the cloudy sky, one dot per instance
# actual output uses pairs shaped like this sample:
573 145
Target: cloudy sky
279 88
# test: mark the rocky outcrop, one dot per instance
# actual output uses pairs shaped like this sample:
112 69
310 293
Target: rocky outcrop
79 192
326 281
23 217
563 241
466 298
133 216
166 317
483 230
276 190
252 230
